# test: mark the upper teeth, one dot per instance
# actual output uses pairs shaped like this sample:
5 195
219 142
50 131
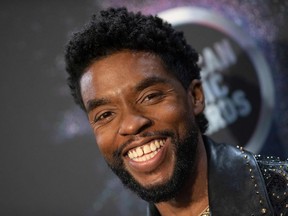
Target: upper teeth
145 152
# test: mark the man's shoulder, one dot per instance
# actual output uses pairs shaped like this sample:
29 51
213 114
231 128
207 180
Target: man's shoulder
275 174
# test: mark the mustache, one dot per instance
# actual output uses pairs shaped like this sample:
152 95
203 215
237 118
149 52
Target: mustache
166 133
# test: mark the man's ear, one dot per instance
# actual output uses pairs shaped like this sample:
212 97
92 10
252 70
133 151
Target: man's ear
197 96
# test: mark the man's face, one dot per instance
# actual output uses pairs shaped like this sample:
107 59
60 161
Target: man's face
140 115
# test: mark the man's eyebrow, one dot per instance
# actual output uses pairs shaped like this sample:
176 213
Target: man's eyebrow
149 82
94 103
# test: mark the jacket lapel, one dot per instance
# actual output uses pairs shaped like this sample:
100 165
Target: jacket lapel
236 185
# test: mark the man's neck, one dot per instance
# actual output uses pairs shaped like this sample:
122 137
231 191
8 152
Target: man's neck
193 198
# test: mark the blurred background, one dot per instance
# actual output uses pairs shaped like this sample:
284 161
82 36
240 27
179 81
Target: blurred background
50 164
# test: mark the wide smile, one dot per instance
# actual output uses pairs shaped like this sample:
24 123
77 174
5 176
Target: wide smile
148 156
147 151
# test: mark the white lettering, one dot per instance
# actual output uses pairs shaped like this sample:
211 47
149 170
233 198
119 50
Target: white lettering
209 95
217 59
211 62
228 110
217 86
222 107
243 105
216 121
225 53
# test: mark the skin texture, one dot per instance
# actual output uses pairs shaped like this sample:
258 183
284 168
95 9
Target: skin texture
132 100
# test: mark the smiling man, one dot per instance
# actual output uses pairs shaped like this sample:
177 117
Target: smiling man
139 83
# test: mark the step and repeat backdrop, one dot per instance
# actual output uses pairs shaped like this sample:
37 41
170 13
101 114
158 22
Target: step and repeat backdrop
50 164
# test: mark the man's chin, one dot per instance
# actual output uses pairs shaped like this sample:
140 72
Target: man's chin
152 181
155 193
161 190
167 188
148 192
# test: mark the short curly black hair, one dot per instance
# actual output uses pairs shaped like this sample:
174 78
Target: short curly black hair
116 29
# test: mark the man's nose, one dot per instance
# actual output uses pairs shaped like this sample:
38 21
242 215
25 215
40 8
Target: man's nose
133 123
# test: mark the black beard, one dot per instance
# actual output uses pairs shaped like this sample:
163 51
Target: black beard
185 151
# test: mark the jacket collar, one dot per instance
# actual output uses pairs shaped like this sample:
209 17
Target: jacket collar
235 183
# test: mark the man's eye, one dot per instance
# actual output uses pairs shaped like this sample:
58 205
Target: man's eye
104 116
153 96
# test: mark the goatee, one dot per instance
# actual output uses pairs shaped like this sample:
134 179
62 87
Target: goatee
185 152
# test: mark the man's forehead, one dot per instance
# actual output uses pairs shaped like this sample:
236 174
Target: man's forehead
121 64
121 70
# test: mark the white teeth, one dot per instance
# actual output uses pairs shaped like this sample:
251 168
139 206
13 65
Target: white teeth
147 157
130 154
147 151
157 143
139 152
153 147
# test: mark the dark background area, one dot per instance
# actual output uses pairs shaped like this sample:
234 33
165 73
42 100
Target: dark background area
49 162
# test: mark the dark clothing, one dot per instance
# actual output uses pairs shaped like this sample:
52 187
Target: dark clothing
240 184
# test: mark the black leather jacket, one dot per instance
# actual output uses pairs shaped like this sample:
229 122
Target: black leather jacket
241 184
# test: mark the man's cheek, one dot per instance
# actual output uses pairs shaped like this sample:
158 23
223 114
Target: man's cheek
104 147
170 114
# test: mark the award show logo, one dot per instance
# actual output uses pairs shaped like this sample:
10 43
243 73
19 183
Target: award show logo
236 78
